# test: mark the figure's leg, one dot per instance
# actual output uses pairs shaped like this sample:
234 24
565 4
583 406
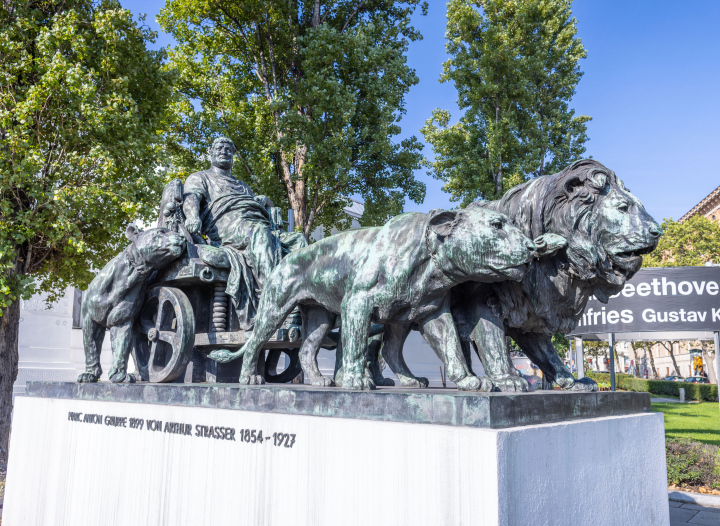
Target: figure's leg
393 341
121 341
439 331
317 322
488 336
374 345
264 252
93 337
355 313
540 350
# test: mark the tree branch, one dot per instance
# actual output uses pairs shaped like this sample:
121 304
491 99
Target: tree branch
352 15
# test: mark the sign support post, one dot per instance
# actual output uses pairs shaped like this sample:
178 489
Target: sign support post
579 358
717 359
611 345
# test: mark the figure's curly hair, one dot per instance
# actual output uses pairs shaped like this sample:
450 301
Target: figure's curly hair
223 140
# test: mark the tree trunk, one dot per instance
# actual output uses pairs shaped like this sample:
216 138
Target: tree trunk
652 361
709 358
637 363
9 328
672 357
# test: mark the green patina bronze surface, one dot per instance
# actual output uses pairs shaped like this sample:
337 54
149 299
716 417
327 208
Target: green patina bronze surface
607 231
523 266
399 275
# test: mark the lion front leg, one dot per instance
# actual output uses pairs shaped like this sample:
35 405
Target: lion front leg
488 336
121 341
93 337
539 348
440 332
354 333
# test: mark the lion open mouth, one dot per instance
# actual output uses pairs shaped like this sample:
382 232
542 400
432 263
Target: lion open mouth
630 259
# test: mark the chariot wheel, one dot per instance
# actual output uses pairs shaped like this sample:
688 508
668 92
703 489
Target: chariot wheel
164 335
290 372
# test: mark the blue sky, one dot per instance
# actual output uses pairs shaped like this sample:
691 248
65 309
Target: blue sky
651 86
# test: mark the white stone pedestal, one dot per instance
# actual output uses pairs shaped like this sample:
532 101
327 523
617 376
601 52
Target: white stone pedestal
338 472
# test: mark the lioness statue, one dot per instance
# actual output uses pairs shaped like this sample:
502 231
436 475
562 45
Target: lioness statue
607 231
114 298
398 275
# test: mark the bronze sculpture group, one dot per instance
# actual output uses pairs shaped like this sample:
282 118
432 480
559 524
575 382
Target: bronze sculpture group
220 280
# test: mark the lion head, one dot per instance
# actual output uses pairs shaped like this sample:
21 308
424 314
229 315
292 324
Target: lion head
606 227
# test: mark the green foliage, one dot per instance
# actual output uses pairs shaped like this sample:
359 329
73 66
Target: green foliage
561 344
82 109
515 66
699 392
311 95
691 463
691 243
696 421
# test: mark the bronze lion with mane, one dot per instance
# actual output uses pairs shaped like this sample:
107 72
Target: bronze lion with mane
607 231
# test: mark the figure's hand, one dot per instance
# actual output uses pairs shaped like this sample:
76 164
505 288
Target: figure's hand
548 244
193 225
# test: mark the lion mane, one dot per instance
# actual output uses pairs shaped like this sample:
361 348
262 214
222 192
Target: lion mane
556 288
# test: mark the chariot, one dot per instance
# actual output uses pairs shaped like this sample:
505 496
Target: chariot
186 314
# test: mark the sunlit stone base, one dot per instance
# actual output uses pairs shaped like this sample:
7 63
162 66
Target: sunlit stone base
79 462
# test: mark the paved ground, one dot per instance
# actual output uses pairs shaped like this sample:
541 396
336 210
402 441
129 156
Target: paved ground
665 400
692 514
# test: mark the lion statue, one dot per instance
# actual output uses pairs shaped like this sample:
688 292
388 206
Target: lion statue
607 231
398 275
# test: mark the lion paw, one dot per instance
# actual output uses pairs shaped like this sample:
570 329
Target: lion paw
419 381
322 381
253 379
122 378
357 383
511 383
384 382
87 378
583 384
475 383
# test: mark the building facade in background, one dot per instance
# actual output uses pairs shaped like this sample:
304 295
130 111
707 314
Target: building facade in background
708 207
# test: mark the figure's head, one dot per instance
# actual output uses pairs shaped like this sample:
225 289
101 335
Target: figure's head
222 152
156 247
607 227
479 244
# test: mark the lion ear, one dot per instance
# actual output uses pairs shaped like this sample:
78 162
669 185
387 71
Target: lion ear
132 232
443 222
597 179
572 184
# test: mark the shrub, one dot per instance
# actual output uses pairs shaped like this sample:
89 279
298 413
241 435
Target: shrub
699 392
692 463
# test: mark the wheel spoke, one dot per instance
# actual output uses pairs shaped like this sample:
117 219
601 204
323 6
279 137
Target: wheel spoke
163 313
145 326
167 336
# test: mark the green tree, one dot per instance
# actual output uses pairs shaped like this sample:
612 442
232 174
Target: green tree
515 66
691 243
311 93
595 349
82 108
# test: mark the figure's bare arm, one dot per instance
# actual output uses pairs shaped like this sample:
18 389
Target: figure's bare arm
191 208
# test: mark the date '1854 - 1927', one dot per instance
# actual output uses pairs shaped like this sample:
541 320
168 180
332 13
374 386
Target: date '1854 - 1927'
255 436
